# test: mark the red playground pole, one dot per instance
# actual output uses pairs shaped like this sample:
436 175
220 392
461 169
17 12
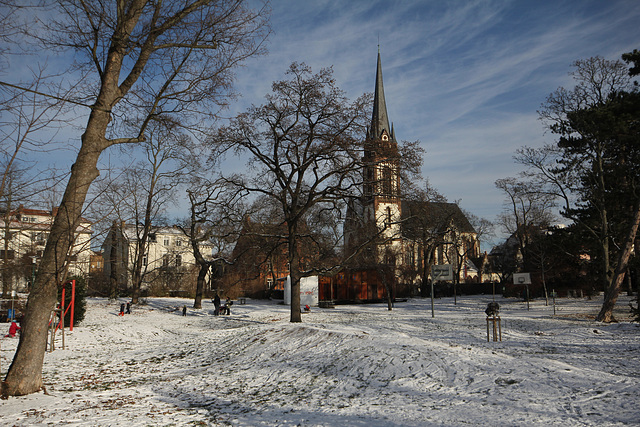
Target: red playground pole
73 303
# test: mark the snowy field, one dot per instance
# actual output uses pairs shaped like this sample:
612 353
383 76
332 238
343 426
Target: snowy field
356 365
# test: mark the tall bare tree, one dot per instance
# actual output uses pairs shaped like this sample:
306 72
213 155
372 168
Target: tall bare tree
145 59
305 150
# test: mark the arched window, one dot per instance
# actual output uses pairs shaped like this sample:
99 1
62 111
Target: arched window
386 181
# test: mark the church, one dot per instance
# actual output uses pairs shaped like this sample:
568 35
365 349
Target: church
386 226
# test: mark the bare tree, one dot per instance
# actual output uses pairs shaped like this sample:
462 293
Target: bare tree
216 214
527 209
141 194
147 59
27 125
304 146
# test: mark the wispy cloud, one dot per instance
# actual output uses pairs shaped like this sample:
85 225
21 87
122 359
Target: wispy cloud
463 77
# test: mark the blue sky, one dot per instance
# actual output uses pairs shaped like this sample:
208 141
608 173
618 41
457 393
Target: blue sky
463 77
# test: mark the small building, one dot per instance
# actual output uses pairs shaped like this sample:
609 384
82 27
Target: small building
23 236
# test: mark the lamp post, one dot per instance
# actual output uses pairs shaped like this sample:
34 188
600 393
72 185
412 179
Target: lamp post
13 312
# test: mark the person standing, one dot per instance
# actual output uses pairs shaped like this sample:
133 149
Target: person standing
184 310
216 304
128 308
121 310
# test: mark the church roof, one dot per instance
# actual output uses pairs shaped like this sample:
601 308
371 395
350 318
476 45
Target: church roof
432 216
379 118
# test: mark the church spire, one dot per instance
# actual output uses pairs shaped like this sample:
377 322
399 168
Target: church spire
379 119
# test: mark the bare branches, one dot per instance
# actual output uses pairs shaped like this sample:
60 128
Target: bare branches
305 150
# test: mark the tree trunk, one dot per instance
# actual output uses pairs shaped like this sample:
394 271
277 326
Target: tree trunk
202 274
113 262
294 274
136 276
25 373
141 247
611 296
383 277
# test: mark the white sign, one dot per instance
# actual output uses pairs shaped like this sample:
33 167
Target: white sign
442 272
308 291
521 279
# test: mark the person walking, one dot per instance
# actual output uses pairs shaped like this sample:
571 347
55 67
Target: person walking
121 310
184 310
128 308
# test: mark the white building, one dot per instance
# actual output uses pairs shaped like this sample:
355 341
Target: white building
167 257
23 236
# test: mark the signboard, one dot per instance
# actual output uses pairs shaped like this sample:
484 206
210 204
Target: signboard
308 291
521 279
442 272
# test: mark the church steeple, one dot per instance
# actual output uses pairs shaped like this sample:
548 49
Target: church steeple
380 118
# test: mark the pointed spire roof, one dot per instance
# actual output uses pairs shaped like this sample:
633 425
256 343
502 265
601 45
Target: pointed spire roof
380 118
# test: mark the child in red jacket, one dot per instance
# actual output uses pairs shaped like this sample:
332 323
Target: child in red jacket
13 329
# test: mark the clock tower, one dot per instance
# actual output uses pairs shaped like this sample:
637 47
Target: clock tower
381 204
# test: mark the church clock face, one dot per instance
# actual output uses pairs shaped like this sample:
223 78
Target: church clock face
385 137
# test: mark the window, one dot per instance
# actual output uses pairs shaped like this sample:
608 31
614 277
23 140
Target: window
166 241
165 261
152 237
386 181
178 260
179 242
145 260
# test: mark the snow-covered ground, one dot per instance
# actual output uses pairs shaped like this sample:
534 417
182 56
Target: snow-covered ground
355 365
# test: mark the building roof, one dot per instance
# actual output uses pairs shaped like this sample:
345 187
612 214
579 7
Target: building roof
19 216
434 216
379 118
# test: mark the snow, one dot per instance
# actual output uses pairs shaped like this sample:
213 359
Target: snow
356 365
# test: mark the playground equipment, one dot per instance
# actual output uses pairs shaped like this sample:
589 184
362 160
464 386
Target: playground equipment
60 312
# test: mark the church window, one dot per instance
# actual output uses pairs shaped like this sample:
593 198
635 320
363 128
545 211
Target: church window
387 221
386 181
